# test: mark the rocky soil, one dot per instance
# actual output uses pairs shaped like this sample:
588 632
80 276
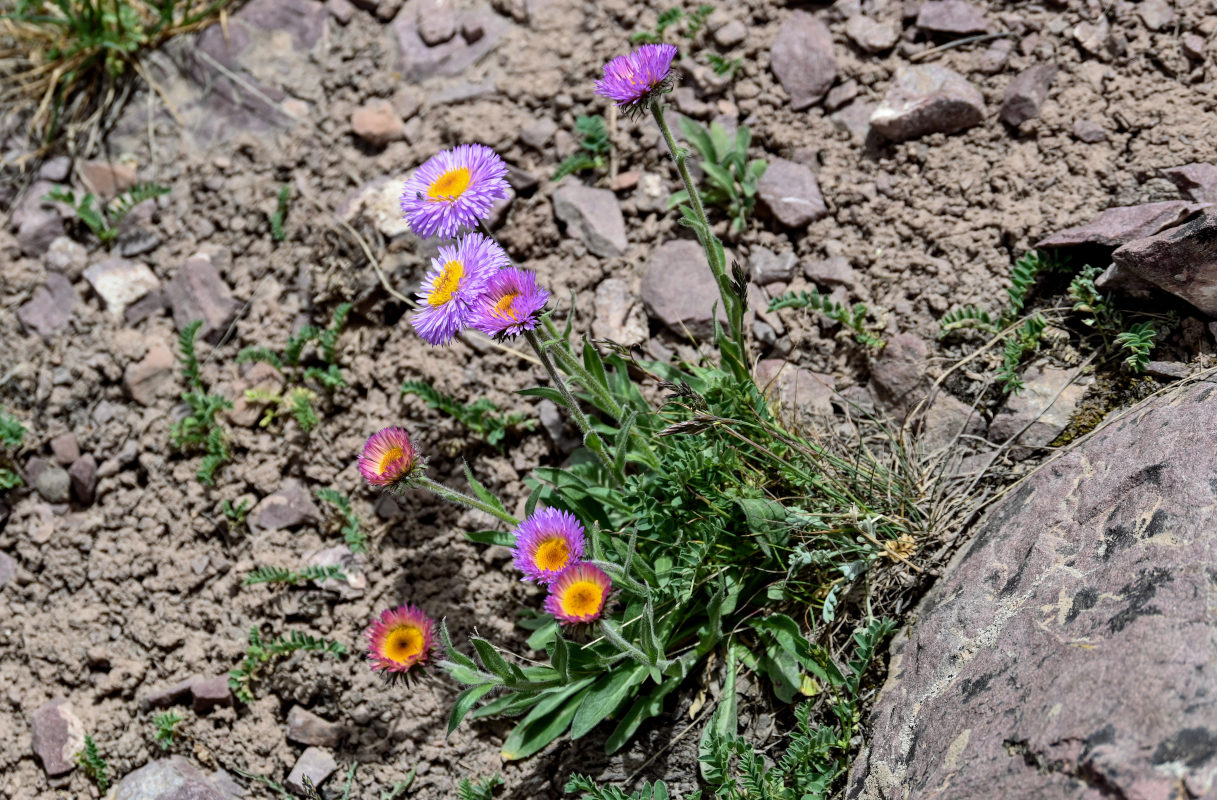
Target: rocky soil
916 149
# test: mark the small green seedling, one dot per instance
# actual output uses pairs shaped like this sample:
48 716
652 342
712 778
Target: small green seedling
732 178
166 728
260 656
352 531
479 416
103 220
94 765
594 148
12 434
200 429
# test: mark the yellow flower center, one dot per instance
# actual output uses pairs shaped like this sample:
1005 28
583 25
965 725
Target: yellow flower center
447 283
553 554
451 185
582 598
404 644
390 455
506 306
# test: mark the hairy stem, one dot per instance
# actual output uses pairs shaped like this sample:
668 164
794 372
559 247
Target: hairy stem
460 498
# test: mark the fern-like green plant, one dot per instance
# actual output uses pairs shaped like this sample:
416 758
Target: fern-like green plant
594 148
103 220
479 417
723 66
93 765
1024 341
593 791
479 790
298 399
166 728
261 655
289 577
1023 276
1137 342
966 317
12 435
235 514
352 531
853 318
200 429
693 22
731 178
280 216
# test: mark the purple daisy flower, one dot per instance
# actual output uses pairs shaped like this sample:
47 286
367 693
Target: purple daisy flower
578 594
454 190
546 543
510 304
634 78
452 289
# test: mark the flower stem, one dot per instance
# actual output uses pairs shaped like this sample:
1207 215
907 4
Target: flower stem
590 437
460 498
713 247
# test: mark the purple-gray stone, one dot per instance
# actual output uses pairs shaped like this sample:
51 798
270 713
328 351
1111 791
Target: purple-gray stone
172 778
593 216
197 292
83 476
679 290
57 735
952 17
315 764
1026 94
1123 224
1070 649
51 308
287 508
1197 181
927 99
1181 260
791 193
305 727
802 59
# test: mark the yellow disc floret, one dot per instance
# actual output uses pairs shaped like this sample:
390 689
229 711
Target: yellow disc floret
447 283
506 306
582 598
404 644
451 185
553 554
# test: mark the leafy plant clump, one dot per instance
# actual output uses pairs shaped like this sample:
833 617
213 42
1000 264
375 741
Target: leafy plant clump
479 416
732 177
166 728
469 789
594 148
1117 336
94 766
12 434
352 530
300 379
62 58
853 318
277 234
235 514
261 656
200 429
104 220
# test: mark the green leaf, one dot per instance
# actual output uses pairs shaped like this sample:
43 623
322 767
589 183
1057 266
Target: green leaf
593 363
643 708
722 142
546 392
721 177
545 722
465 701
698 137
453 654
481 491
502 538
604 698
491 659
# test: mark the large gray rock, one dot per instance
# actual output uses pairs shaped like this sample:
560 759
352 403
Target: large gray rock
898 374
287 508
791 193
927 99
802 59
1123 224
678 289
618 314
172 778
870 35
1182 261
1070 650
593 216
315 764
120 282
1040 411
419 61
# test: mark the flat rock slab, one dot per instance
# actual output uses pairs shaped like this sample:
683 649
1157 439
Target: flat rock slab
802 59
927 99
1123 224
804 393
1070 650
1182 261
57 735
952 17
678 289
419 61
1197 181
51 308
1043 408
172 778
287 508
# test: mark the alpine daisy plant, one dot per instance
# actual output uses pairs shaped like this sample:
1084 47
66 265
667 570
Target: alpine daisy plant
691 526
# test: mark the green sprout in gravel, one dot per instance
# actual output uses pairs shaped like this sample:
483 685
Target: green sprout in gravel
283 576
277 234
853 318
594 148
262 655
12 434
104 220
352 531
479 416
200 429
732 178
483 789
693 22
235 514
94 766
301 380
166 728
